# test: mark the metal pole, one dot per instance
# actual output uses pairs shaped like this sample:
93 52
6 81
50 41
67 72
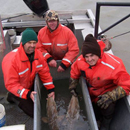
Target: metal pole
114 24
97 20
98 12
88 106
113 4
37 104
2 52
2 41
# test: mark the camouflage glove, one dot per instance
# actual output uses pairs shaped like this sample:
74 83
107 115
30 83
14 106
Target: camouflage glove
72 86
106 99
73 92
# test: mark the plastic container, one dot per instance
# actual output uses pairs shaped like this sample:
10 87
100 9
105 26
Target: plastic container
2 115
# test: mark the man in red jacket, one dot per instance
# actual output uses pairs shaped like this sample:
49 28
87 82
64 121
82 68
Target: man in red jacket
19 69
57 42
106 77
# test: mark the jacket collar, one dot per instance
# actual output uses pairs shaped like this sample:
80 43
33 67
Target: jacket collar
98 62
22 54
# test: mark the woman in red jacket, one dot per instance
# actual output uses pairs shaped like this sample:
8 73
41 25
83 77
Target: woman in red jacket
19 69
106 77
57 42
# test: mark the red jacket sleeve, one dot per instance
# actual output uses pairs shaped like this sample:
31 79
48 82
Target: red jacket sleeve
45 75
40 47
121 77
75 71
73 49
11 79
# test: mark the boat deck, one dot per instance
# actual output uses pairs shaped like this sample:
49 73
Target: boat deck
82 26
15 116
80 22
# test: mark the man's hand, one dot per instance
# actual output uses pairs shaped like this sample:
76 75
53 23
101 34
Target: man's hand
72 86
73 92
111 96
60 69
104 101
52 94
73 83
32 95
53 63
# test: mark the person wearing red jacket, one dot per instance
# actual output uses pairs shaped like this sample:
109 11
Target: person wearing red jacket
19 69
106 78
57 42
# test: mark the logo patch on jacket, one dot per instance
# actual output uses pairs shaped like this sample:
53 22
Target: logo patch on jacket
19 91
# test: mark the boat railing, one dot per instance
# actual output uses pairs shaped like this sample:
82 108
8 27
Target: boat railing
98 5
37 104
88 105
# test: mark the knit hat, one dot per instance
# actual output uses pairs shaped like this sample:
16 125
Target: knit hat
29 35
90 45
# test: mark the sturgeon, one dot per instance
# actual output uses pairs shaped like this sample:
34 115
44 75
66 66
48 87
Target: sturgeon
68 121
52 114
73 109
72 115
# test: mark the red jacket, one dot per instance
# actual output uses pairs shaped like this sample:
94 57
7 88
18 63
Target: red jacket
18 76
107 74
60 44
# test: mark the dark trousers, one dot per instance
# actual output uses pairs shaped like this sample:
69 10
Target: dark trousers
26 105
104 115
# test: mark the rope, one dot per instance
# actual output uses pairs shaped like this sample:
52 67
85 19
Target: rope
119 35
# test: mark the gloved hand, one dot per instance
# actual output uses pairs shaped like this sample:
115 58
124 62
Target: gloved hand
73 92
72 86
106 99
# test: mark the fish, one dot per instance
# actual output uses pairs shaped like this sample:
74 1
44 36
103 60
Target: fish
52 114
73 109
72 114
73 118
69 121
